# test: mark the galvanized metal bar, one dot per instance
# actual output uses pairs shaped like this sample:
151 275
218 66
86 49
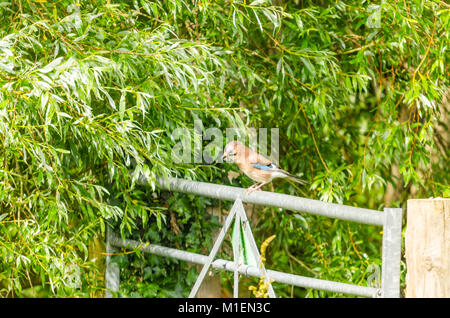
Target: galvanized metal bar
391 255
236 253
252 271
214 249
248 233
112 272
284 201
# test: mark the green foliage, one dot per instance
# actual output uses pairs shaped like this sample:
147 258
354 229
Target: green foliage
91 91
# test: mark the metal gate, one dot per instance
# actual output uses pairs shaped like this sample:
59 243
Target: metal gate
390 219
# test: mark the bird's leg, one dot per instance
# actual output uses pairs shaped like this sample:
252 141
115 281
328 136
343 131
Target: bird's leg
255 187
260 186
251 188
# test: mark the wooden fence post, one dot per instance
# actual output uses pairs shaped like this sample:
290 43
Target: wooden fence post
211 286
427 248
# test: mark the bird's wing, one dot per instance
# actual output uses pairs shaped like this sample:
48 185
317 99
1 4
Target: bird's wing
256 158
264 167
273 169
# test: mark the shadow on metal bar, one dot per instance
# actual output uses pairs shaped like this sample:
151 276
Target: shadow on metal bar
390 219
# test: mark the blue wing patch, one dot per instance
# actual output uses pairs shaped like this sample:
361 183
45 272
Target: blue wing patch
264 167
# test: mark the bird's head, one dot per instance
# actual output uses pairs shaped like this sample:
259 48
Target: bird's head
232 151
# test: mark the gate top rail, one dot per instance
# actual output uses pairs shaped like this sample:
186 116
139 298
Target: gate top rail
390 219
284 201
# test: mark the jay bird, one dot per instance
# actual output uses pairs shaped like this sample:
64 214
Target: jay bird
255 166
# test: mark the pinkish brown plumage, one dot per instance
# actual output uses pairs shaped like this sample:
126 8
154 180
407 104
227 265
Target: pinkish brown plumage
255 166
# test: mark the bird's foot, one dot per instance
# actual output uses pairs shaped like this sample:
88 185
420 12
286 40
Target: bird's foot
249 191
253 188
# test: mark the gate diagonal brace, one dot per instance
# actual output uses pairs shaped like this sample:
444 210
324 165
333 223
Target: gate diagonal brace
237 212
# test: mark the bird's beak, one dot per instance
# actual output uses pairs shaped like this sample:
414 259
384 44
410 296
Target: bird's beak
224 156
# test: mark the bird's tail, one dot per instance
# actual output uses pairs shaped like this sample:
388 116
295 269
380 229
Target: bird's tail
294 178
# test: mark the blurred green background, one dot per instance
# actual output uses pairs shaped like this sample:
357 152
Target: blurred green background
92 90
